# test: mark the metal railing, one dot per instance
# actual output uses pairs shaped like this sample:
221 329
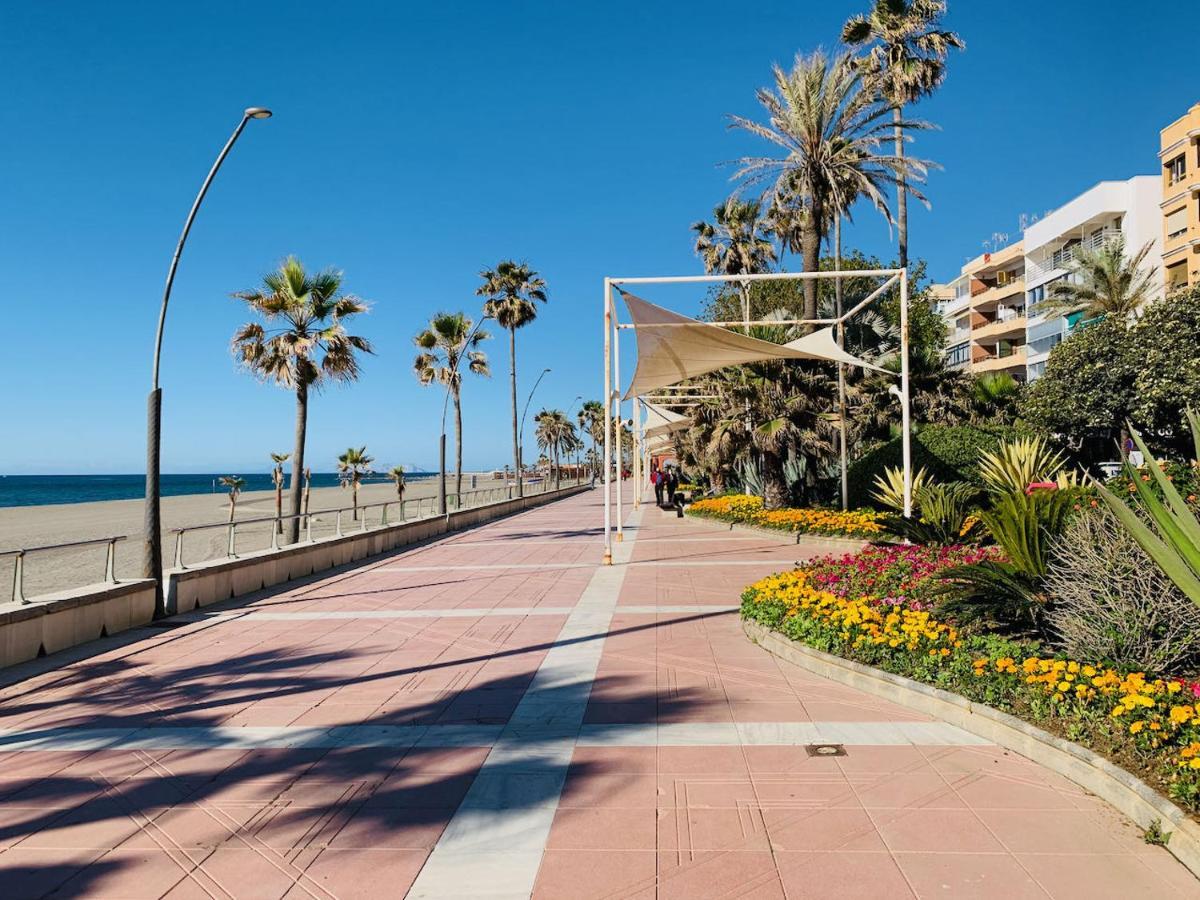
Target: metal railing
1061 259
19 554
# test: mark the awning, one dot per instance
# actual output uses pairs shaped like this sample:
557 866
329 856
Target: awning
662 421
672 348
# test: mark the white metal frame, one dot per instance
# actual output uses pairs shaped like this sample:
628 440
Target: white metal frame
612 373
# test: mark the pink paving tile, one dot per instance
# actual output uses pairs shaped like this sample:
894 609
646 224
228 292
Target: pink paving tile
379 828
771 711
804 790
852 876
241 873
366 874
698 829
716 760
98 824
705 791
602 828
616 759
192 827
973 875
935 831
807 828
900 790
1062 831
742 874
597 875
586 786
126 874
27 872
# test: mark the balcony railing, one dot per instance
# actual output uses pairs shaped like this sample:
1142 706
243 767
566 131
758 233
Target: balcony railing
1062 258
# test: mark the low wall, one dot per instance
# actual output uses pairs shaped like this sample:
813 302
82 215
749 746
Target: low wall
55 622
212 582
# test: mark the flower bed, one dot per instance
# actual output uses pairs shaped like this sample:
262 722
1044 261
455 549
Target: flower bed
748 510
1150 726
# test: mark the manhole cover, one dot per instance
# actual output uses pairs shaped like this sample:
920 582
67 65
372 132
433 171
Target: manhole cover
825 749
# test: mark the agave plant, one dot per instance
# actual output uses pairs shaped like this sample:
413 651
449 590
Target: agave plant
889 487
1011 592
1174 542
944 514
1018 463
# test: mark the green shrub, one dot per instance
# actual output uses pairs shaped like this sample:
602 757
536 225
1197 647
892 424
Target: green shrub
947 452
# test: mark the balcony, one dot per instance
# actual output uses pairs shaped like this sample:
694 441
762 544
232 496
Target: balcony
1007 360
998 292
1061 259
1005 326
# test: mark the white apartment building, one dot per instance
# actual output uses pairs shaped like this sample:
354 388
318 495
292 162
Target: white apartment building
1110 208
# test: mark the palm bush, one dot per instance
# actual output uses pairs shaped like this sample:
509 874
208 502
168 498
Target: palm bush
1111 602
352 466
1174 541
943 514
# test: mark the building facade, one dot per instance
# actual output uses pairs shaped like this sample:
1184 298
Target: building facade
1110 209
1179 154
984 309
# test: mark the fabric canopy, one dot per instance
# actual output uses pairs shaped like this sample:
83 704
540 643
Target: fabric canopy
672 348
663 421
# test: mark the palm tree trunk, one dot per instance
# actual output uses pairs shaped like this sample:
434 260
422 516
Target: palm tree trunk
557 470
512 355
232 506
901 189
774 485
745 289
810 245
297 486
458 445
354 494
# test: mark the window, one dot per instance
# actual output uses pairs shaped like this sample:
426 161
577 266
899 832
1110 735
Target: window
958 355
1177 223
1177 169
1176 276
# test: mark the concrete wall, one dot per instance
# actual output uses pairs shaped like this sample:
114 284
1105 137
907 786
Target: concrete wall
211 582
57 621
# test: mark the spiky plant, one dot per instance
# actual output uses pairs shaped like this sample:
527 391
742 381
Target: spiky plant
1018 463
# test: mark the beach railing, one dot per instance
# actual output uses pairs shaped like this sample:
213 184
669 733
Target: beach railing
19 554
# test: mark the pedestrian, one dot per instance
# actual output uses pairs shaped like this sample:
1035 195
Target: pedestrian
672 484
656 479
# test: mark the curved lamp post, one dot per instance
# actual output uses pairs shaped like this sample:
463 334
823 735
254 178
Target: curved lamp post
521 442
152 545
445 406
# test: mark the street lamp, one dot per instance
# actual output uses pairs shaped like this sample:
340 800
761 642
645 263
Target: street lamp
521 442
152 525
445 406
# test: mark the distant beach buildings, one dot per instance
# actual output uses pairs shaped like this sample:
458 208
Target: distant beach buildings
995 308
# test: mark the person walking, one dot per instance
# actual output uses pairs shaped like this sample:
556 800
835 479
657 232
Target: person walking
656 479
672 484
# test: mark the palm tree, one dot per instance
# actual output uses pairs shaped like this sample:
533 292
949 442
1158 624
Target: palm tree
1104 282
447 341
311 346
829 127
277 478
905 61
556 434
235 485
396 473
591 423
353 465
733 243
512 290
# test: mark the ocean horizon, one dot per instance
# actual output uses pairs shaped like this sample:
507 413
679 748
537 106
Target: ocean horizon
48 490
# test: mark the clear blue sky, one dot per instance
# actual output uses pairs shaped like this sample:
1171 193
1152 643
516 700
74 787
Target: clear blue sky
415 144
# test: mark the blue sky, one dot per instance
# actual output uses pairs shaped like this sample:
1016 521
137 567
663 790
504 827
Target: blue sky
415 144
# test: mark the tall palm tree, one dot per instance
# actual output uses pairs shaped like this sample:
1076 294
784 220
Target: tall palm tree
445 344
905 60
556 434
235 485
591 422
733 243
353 465
300 344
512 291
277 479
1104 282
396 473
830 128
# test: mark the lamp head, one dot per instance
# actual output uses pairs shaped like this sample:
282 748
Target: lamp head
257 112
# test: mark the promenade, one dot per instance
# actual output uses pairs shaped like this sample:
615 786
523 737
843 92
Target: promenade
496 714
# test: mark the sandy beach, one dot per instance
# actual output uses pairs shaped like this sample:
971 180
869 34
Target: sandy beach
33 526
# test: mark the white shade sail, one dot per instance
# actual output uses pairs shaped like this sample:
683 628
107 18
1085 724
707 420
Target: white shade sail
672 348
662 421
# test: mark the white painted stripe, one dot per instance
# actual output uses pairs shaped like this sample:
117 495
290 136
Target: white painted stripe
494 843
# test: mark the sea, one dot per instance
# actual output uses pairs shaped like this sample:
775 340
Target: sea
43 490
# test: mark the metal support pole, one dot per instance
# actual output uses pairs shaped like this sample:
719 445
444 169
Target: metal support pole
339 523
18 593
442 476
905 412
179 549
232 548
841 369
607 422
637 453
620 441
308 528
110 563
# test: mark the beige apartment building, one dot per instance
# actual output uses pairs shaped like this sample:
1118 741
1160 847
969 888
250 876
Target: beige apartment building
1180 158
984 308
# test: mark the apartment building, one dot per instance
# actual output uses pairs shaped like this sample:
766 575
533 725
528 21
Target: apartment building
1180 158
984 309
1111 208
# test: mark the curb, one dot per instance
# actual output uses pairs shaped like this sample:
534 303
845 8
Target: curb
1123 791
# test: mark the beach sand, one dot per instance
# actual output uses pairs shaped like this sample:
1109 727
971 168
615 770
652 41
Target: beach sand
55 570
